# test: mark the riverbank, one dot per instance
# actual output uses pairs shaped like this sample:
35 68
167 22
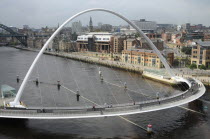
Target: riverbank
92 60
113 64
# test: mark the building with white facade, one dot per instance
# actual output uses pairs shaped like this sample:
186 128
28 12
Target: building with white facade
94 41
100 42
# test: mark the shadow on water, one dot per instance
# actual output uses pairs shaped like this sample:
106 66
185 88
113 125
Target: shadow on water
19 128
186 123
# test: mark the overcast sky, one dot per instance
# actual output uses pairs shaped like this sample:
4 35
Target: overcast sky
39 13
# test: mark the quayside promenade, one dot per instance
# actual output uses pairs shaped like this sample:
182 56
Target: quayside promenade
114 64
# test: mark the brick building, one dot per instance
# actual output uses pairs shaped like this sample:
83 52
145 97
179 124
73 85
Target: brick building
117 44
201 53
146 57
130 43
158 43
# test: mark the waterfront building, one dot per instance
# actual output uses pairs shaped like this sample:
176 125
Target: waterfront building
103 42
146 57
146 26
201 53
117 44
95 42
140 43
67 46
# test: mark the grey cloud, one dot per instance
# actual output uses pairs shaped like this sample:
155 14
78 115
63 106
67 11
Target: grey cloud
38 13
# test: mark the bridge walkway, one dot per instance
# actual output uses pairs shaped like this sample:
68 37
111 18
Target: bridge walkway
189 95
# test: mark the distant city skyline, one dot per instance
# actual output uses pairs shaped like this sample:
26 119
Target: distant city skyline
41 13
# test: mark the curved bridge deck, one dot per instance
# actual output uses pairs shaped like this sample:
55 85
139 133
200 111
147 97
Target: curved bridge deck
197 90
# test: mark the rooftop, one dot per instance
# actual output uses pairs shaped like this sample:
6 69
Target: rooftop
99 33
204 43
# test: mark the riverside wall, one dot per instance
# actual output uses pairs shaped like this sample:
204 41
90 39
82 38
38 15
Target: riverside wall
93 60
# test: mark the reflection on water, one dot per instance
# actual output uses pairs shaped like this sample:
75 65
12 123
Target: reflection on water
171 123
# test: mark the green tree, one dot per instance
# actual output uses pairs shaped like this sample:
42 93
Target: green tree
137 35
176 62
193 66
202 67
187 50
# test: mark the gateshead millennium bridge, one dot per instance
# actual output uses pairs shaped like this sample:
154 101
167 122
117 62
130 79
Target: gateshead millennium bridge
15 109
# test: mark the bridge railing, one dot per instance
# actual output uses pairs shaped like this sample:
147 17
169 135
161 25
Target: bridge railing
116 108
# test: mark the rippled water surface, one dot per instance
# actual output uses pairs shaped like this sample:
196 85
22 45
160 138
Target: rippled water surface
171 123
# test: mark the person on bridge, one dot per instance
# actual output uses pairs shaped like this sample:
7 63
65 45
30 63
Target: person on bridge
105 105
158 96
18 79
37 82
125 85
78 95
100 73
94 108
58 85
101 78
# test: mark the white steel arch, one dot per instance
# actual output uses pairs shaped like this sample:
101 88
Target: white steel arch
16 102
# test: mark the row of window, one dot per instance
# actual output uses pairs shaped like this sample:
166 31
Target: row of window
139 59
101 39
144 64
82 38
145 56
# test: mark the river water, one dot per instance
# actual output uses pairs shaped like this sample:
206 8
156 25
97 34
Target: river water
75 75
